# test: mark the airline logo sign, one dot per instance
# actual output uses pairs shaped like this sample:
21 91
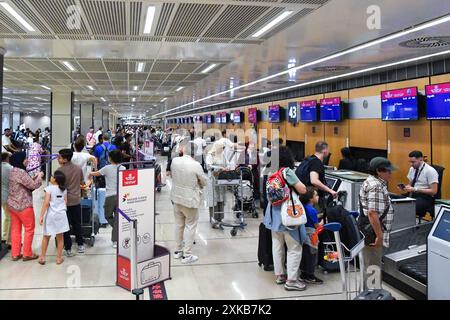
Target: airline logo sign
130 178
402 93
438 89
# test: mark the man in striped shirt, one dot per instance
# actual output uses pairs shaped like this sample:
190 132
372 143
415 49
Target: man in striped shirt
377 210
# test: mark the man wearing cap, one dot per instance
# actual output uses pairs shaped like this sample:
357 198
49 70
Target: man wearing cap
376 212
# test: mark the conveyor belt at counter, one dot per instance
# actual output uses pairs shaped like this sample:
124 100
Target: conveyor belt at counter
416 269
402 240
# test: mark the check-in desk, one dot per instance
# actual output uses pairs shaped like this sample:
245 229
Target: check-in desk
404 212
439 203
349 181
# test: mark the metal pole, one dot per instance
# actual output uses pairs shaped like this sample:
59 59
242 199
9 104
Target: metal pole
341 260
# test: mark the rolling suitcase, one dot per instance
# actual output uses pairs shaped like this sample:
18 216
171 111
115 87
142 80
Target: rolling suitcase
375 294
265 257
89 221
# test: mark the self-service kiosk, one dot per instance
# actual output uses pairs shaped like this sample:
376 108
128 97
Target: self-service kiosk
439 257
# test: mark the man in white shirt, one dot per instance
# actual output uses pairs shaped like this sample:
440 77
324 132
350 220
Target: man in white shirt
229 146
200 147
423 183
82 159
99 132
7 145
187 181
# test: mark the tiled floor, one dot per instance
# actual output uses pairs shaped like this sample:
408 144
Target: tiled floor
227 268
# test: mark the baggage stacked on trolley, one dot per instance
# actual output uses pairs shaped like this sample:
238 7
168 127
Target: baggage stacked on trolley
89 220
244 193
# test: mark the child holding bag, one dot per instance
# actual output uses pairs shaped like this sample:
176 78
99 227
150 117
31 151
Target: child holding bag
53 215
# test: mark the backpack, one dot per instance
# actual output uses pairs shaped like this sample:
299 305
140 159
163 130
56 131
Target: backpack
277 189
103 160
302 171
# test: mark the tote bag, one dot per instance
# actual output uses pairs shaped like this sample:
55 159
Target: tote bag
293 213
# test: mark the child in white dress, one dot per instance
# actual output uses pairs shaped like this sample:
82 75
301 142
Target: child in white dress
53 215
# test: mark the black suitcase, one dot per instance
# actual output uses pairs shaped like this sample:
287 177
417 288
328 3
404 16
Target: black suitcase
375 294
265 257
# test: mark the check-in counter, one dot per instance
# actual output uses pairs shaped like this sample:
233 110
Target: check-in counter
349 181
438 204
404 212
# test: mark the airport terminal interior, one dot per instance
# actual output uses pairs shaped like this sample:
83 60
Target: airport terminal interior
225 149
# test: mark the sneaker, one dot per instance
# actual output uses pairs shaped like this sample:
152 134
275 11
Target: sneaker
114 245
189 259
295 286
281 279
81 249
68 253
313 280
178 254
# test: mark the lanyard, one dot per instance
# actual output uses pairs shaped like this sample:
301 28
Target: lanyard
418 175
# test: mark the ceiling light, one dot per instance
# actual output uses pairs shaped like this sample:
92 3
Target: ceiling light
272 23
149 19
45 87
389 65
103 99
68 65
179 89
39 98
135 88
90 88
163 100
14 99
209 68
134 99
5 69
140 67
17 16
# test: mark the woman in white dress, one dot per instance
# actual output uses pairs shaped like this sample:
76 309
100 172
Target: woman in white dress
216 162
53 215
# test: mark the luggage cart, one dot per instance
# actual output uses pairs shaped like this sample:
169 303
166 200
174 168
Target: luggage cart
236 213
337 252
89 222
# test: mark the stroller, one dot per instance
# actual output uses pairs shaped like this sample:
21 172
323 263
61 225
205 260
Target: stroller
247 199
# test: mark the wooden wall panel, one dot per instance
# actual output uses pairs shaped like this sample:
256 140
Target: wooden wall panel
314 132
368 133
337 133
441 143
295 133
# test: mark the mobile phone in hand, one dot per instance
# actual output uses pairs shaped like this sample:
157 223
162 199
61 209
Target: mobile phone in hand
401 186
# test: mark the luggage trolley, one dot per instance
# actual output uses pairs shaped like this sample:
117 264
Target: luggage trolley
237 183
337 252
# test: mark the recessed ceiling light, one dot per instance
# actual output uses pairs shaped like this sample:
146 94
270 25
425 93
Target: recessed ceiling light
68 65
163 100
5 69
180 88
149 19
103 99
90 88
17 16
140 67
39 98
209 68
271 24
13 99
135 88
45 87
133 99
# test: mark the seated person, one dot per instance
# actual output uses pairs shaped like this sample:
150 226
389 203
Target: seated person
423 183
347 162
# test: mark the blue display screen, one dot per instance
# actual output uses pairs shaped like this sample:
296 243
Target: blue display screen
397 105
438 101
330 109
274 113
442 230
308 111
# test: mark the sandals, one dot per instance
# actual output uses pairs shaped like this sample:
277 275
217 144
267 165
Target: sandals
16 258
33 257
41 262
59 261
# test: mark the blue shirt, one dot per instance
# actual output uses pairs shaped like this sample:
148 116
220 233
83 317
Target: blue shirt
311 215
98 152
273 222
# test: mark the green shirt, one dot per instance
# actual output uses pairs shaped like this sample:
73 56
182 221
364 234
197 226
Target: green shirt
291 177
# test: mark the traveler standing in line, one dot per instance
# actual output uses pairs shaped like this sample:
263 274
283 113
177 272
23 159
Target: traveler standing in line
99 132
54 216
312 172
74 181
82 159
281 236
6 225
101 151
347 162
110 173
201 146
20 203
34 157
377 213
423 183
187 181
7 145
127 149
90 137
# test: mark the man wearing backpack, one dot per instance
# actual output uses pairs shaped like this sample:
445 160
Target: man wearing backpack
102 151
312 171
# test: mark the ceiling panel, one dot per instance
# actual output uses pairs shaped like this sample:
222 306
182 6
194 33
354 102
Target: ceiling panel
118 76
106 17
164 17
10 23
92 65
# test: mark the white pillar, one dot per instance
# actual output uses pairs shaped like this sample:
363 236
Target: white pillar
61 119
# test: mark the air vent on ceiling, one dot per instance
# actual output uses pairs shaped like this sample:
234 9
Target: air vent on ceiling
427 42
331 68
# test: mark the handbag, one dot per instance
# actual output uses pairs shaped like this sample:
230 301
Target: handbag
293 213
366 228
